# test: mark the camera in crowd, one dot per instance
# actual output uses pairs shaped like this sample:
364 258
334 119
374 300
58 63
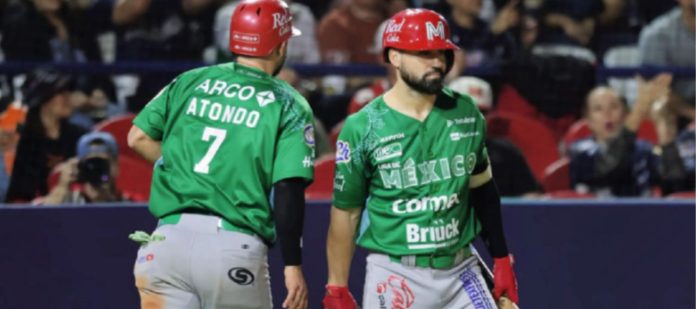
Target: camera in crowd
97 151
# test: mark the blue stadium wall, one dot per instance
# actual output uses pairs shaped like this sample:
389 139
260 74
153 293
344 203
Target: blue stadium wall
570 254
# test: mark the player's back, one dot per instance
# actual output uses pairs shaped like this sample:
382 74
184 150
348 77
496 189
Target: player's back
219 138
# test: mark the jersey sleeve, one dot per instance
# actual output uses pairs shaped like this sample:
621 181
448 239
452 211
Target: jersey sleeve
295 146
350 180
482 172
153 117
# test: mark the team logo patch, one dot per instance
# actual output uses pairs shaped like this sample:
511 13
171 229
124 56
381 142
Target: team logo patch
470 162
392 150
342 152
241 276
265 97
401 295
309 135
475 290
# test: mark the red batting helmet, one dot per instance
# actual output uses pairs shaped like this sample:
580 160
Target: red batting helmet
258 26
418 30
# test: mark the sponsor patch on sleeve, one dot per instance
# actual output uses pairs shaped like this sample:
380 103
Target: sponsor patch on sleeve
342 152
309 135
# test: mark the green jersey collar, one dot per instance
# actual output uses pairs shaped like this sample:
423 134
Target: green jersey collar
249 71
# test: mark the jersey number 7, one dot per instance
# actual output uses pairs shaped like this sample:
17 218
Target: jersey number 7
203 165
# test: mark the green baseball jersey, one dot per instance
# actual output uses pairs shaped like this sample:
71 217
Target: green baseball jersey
413 177
228 133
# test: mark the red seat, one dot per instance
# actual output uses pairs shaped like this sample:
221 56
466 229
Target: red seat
119 127
134 178
557 176
580 129
562 194
322 187
512 102
691 195
535 140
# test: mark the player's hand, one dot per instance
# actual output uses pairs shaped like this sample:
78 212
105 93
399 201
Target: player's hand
338 297
297 288
504 282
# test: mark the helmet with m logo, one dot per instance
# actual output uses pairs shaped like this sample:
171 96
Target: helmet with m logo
418 30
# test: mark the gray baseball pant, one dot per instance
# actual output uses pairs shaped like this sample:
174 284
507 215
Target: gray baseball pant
200 265
392 285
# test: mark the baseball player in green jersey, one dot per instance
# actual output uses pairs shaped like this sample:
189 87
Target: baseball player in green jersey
233 150
414 187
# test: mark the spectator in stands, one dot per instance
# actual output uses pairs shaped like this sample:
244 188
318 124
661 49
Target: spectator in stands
11 121
89 178
670 41
47 138
678 161
569 22
612 162
648 10
302 49
161 30
480 40
53 30
95 101
345 33
512 174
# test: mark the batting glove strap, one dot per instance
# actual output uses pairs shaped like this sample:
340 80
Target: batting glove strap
338 297
504 281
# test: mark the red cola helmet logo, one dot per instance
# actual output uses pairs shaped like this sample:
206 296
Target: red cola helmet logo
402 296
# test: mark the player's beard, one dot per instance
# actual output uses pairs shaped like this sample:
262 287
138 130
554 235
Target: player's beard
424 85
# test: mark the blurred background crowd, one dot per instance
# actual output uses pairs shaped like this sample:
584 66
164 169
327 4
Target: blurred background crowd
558 125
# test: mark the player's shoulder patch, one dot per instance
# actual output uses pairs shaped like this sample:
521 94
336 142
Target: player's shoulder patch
343 151
309 134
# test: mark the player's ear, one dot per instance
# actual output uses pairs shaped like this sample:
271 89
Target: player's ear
394 57
282 48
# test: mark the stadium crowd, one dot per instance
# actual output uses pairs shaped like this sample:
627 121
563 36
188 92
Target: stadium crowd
555 127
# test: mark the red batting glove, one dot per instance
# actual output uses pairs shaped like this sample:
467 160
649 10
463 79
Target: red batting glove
504 282
338 297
